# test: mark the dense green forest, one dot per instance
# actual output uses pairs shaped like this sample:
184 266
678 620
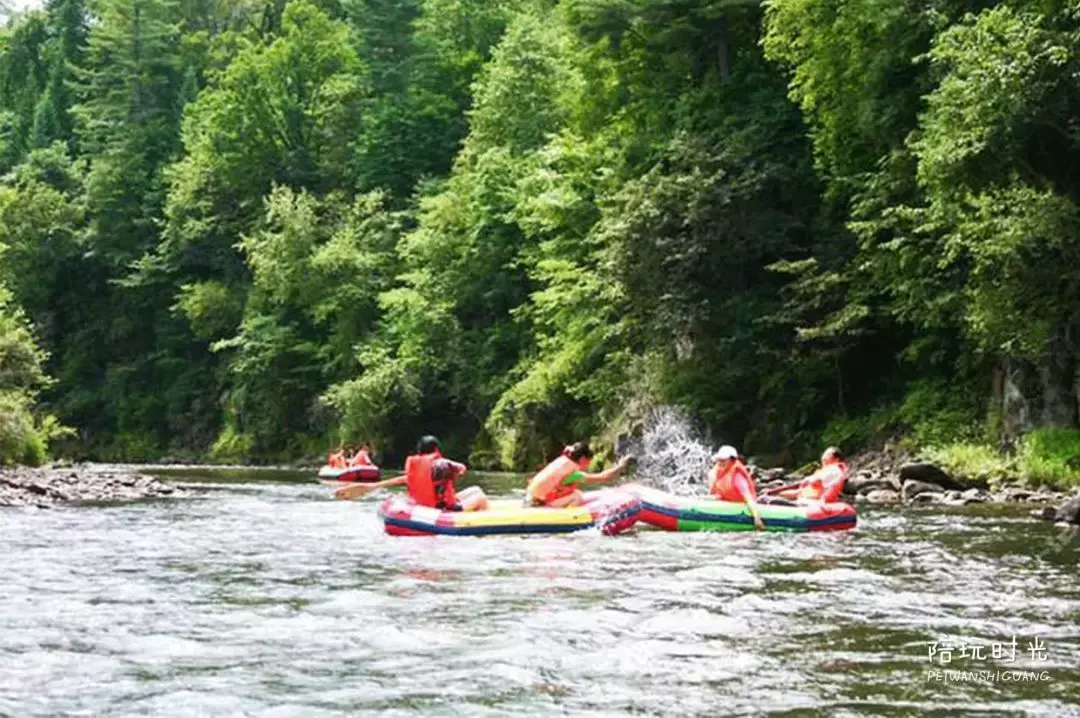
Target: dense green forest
252 229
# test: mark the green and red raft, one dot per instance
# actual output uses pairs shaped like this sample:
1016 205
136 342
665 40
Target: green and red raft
681 513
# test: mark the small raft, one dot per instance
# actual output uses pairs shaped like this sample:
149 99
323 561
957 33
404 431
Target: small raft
680 513
362 474
612 511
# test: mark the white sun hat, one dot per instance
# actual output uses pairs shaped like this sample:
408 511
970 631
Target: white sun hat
725 452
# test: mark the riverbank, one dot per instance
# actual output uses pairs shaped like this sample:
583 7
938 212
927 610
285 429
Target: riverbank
77 483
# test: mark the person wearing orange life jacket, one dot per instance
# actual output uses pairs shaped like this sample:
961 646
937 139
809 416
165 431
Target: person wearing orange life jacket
362 457
729 480
557 484
336 460
824 485
430 479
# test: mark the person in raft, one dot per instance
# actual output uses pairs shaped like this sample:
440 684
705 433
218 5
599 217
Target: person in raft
556 485
336 460
429 477
362 457
824 485
730 480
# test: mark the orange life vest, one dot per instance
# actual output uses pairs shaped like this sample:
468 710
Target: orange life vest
826 484
337 460
547 485
723 485
424 487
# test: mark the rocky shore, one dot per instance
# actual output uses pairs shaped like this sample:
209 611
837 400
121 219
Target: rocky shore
79 483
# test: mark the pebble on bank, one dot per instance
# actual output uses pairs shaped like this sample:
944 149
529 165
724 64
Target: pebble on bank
43 487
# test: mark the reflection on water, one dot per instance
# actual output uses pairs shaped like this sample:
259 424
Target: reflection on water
269 599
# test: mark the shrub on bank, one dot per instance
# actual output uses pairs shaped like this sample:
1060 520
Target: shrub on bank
1044 457
24 433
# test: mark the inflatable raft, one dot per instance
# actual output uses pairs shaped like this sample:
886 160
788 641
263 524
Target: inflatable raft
611 510
680 513
364 474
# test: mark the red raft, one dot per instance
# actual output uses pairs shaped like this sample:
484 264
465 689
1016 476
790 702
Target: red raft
361 474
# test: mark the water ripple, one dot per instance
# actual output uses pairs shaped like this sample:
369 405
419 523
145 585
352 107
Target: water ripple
270 600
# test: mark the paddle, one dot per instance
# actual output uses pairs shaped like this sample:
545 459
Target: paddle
778 489
358 490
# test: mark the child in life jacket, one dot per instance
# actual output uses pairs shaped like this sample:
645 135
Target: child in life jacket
557 484
730 480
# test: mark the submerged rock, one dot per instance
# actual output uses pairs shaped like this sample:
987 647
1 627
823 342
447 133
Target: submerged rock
23 486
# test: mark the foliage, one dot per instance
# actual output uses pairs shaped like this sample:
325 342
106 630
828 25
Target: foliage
1048 457
251 229
24 433
1051 456
972 461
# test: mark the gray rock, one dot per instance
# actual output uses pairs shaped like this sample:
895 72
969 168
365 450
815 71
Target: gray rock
864 483
975 496
1068 513
928 473
928 497
883 496
913 488
22 486
1014 494
773 474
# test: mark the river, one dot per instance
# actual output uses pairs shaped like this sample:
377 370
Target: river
257 595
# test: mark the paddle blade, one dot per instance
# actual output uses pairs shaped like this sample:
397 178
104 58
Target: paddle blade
353 492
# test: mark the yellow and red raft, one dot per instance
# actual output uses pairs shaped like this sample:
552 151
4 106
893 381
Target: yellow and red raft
612 511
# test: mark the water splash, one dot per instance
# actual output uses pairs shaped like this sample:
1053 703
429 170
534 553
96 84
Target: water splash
671 454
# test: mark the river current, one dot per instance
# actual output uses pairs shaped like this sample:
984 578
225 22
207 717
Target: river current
257 595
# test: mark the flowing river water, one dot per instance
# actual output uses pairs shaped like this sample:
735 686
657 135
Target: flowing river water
257 595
